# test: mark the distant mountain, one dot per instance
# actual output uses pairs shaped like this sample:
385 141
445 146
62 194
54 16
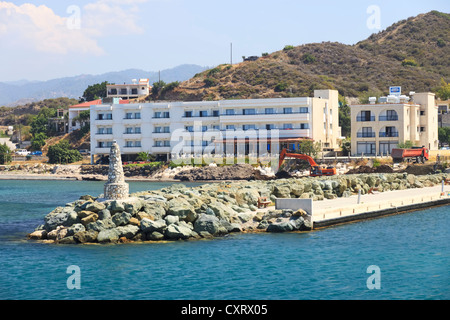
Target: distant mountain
24 91
412 53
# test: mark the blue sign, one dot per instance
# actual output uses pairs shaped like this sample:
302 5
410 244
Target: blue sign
396 91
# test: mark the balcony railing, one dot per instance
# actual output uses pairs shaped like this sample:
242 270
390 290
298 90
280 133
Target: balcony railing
365 119
388 134
262 113
365 135
388 118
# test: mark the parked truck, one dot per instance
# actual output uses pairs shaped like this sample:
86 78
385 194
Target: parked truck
415 154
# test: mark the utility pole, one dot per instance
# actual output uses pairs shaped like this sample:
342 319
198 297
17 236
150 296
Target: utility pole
231 53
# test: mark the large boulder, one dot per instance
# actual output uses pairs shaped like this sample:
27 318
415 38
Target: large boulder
175 231
86 236
66 217
280 227
95 207
149 226
181 208
128 231
100 225
210 224
109 235
121 218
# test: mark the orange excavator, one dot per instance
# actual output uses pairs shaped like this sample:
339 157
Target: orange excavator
315 171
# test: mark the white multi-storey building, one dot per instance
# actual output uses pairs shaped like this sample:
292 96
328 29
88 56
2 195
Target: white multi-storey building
166 128
379 127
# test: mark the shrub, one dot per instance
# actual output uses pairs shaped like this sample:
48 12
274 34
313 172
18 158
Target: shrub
5 154
210 82
280 87
288 47
61 153
308 58
409 62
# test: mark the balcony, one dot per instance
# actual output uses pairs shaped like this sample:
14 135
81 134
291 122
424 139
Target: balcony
388 134
365 135
388 118
365 119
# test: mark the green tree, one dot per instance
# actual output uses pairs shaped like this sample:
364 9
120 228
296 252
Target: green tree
444 135
38 141
63 154
344 117
346 146
5 154
309 148
95 91
443 92
39 124
157 87
405 145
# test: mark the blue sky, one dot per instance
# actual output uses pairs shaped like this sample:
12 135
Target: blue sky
46 39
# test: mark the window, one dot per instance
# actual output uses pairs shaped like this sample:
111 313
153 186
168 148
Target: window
365 116
304 125
129 115
166 129
366 132
164 115
422 113
203 114
248 127
101 131
304 110
105 116
189 128
269 111
367 148
230 127
229 112
287 126
128 144
137 144
270 126
123 91
128 130
166 143
287 110
137 115
204 128
215 113
137 130
249 111
422 129
113 92
216 127
158 143
188 114
133 91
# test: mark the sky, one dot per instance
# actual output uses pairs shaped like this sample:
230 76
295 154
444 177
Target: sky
47 39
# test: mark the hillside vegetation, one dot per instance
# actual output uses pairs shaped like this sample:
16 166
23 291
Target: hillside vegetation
412 53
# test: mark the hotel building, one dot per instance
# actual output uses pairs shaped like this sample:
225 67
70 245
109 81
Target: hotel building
379 127
167 128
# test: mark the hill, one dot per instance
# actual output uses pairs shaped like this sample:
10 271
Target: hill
23 92
412 53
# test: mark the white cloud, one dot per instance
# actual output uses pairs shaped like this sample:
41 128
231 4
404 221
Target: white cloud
112 17
40 29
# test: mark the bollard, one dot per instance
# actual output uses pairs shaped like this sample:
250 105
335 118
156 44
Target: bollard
359 196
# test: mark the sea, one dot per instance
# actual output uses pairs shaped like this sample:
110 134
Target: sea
398 257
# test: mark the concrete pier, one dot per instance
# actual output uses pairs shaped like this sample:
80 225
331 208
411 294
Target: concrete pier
342 210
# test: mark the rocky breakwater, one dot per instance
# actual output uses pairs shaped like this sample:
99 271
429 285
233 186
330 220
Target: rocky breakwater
210 210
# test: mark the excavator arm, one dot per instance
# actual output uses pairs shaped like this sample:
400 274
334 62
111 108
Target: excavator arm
316 170
284 154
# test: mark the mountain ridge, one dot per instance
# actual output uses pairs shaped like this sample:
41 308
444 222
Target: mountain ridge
24 91
409 53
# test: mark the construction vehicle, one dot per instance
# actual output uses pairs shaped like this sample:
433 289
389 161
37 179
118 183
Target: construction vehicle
415 154
315 171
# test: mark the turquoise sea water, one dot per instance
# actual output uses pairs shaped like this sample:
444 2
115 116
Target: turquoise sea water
412 252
